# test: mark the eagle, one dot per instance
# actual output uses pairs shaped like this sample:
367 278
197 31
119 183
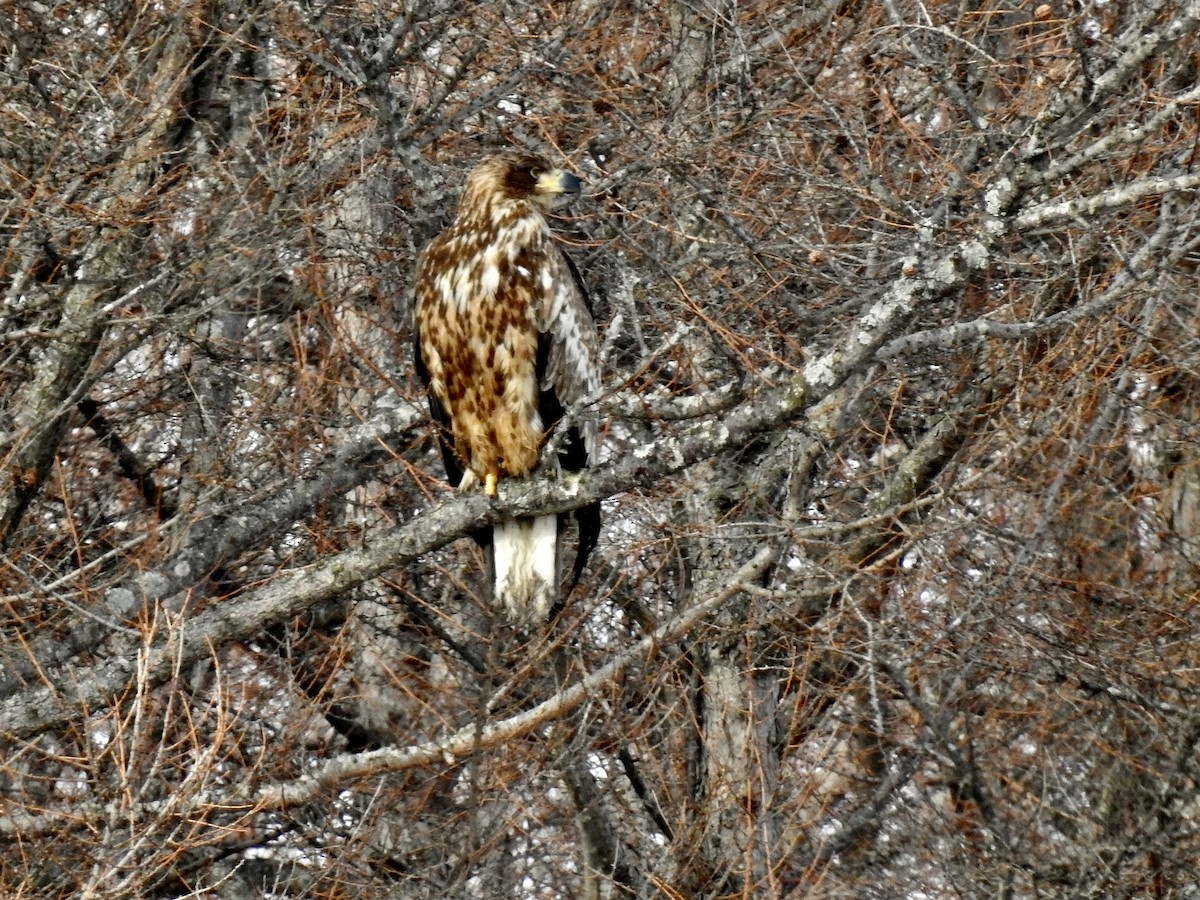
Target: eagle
505 343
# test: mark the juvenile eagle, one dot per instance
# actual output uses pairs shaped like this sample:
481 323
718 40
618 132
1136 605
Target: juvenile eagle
505 341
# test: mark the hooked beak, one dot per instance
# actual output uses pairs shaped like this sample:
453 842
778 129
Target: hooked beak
557 182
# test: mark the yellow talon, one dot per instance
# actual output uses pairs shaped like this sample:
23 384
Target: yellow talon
489 484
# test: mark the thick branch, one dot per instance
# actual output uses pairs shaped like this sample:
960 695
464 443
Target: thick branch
1125 195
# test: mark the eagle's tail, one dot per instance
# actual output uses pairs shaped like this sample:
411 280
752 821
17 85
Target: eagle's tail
525 556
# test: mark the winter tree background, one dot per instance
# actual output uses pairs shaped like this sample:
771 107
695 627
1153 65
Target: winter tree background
898 590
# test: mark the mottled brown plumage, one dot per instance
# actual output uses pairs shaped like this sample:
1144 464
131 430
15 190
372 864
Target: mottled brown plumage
505 342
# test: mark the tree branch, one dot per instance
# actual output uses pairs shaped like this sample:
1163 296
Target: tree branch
1125 195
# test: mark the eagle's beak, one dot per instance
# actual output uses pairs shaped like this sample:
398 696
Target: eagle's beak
558 181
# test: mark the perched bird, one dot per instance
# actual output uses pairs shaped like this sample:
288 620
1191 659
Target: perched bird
505 342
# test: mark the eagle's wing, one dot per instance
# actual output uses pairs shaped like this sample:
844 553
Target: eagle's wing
569 342
437 412
568 371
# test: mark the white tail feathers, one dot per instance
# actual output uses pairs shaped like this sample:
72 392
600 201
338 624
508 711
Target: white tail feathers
526 563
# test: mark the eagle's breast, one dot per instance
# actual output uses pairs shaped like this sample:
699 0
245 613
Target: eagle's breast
481 336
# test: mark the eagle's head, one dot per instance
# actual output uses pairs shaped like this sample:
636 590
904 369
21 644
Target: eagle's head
519 177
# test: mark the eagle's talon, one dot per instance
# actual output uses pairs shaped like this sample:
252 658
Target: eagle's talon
489 484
